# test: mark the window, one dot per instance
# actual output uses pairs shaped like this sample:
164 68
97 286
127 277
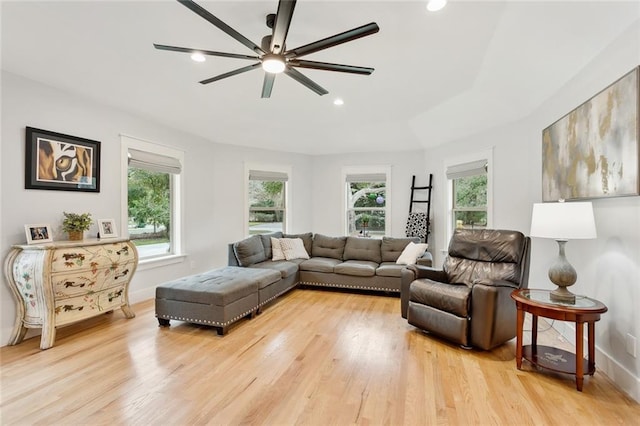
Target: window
366 204
469 195
267 192
153 198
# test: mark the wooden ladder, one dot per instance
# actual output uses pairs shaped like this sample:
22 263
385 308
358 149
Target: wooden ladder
427 188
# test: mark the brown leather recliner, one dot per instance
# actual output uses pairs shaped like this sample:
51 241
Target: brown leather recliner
468 301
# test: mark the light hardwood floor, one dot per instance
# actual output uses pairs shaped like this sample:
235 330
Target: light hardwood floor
312 357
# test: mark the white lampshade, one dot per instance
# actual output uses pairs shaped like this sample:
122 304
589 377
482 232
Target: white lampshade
563 221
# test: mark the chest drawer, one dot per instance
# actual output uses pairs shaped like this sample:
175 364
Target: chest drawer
69 284
92 257
85 306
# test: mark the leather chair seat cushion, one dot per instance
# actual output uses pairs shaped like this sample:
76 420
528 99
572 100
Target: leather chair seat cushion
286 268
360 268
331 247
390 269
452 298
391 248
319 264
219 287
362 249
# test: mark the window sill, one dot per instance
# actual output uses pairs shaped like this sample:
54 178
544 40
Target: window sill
158 262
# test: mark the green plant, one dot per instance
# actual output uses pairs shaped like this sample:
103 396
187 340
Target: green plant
365 218
76 222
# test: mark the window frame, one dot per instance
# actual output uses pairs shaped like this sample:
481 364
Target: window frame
449 225
176 198
362 170
268 168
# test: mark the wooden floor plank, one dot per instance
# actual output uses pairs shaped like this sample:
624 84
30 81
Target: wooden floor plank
313 357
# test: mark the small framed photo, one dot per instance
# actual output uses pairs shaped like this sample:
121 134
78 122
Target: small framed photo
37 234
61 162
107 228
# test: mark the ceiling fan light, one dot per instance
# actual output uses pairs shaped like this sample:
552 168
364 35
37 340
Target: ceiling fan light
198 57
273 63
436 5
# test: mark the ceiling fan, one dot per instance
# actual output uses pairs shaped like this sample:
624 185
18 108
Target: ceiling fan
273 55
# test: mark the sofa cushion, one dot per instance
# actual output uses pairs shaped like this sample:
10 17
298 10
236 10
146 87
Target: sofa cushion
286 268
319 264
249 251
391 248
307 239
276 250
293 248
266 242
362 249
411 253
389 269
360 268
330 247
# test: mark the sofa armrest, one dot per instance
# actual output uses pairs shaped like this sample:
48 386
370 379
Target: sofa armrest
425 260
428 272
493 314
410 274
231 254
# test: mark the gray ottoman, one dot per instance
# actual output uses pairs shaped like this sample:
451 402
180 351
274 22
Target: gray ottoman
217 298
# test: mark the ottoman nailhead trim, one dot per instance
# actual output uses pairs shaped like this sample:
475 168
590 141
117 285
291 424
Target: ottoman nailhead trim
394 290
275 296
207 322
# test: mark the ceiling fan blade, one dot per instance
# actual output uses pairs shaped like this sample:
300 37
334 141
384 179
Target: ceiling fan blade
281 26
267 85
204 52
221 25
326 66
231 73
335 40
301 78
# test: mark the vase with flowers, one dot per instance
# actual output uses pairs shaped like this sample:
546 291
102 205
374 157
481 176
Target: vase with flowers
75 224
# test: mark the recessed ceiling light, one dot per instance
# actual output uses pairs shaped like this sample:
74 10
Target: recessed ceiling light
338 101
435 5
198 57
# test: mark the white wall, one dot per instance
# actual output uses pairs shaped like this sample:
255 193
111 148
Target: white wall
214 182
609 266
328 188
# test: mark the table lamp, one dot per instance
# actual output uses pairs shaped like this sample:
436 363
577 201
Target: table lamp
563 222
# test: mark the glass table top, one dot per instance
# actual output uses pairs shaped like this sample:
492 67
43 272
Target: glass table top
543 296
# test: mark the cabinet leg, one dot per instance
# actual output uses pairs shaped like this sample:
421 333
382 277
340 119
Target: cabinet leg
18 333
48 336
128 312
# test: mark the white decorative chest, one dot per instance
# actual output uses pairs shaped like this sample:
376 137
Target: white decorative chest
58 283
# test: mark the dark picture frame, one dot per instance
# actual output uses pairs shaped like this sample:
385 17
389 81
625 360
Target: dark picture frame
61 162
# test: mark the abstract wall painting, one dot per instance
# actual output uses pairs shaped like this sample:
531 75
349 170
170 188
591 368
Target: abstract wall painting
592 152
61 162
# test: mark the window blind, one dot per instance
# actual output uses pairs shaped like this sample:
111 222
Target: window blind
366 177
154 162
265 175
473 168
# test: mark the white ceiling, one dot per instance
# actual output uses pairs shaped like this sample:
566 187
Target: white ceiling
438 76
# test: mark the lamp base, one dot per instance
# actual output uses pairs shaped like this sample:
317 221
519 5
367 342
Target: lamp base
561 294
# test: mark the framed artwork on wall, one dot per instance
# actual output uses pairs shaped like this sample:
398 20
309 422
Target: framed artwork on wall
61 162
592 152
37 234
107 228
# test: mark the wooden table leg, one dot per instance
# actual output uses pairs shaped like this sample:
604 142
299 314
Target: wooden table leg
534 331
579 355
591 342
520 325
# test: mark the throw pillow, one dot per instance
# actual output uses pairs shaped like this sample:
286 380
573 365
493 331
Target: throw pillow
293 248
276 249
411 253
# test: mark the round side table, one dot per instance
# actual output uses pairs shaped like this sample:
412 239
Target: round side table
584 310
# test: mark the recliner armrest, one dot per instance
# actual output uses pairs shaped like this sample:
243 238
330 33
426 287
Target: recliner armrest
420 271
495 283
